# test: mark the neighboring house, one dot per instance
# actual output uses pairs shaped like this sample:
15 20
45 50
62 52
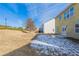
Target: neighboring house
49 27
66 23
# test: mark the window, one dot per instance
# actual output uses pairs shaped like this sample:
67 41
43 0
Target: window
77 28
56 29
71 11
64 28
65 15
60 17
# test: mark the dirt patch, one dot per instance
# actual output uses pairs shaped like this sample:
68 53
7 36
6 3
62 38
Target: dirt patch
11 40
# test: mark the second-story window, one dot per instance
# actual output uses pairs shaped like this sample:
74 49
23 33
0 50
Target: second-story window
65 15
68 14
71 11
60 18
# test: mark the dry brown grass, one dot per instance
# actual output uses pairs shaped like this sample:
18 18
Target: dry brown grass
13 39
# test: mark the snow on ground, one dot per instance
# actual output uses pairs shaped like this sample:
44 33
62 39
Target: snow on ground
43 43
55 45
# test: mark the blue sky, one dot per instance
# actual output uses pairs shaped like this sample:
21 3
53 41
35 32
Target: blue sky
17 13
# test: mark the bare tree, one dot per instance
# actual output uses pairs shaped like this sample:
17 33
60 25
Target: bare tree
30 25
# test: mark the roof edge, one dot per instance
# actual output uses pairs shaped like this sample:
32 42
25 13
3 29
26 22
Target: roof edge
65 9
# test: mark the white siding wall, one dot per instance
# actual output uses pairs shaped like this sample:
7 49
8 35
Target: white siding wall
49 26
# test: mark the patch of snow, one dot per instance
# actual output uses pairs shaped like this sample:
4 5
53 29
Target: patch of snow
43 43
55 45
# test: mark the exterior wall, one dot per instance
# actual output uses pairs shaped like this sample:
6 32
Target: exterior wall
49 27
69 22
74 20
